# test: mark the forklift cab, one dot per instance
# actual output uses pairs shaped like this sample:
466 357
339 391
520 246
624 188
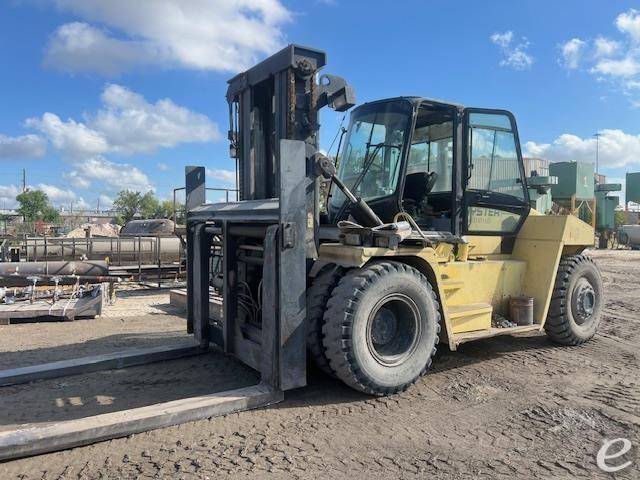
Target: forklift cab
453 169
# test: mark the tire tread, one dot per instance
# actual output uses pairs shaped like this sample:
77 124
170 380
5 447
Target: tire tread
558 324
337 325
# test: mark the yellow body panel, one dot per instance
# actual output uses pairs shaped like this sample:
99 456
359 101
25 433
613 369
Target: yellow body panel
489 281
482 245
471 289
470 318
540 243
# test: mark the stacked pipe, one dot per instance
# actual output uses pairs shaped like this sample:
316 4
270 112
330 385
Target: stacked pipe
23 274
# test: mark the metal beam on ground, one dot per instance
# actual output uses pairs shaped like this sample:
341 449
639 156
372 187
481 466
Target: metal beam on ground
35 440
108 361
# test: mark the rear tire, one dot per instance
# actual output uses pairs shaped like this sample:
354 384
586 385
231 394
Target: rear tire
317 297
576 303
381 327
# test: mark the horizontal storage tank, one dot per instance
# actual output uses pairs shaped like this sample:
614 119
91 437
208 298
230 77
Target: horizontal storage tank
119 251
574 179
630 235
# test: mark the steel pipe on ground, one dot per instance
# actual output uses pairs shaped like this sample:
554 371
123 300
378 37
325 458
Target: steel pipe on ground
11 281
86 268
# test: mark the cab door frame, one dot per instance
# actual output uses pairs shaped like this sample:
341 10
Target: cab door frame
487 198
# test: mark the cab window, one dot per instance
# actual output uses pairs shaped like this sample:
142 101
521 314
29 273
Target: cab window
494 165
370 162
432 151
495 187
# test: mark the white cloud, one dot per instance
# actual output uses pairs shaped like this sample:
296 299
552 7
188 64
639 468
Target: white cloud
617 149
515 55
127 124
616 61
502 39
163 167
629 23
8 195
57 195
76 180
605 47
25 146
118 35
628 66
106 202
115 176
73 138
132 125
226 176
572 52
80 47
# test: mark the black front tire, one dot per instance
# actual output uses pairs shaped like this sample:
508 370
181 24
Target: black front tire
318 295
576 303
381 327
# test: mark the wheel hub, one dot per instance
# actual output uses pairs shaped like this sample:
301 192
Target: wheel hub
584 301
384 327
393 329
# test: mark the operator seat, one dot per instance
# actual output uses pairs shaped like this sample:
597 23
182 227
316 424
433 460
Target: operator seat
416 188
418 185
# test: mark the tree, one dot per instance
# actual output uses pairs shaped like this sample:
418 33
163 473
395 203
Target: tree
134 204
167 211
128 204
150 206
34 206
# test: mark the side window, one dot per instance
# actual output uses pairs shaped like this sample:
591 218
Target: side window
433 152
493 164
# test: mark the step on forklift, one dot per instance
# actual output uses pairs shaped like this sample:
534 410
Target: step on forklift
426 236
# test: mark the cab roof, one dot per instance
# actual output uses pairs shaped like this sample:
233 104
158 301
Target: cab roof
416 101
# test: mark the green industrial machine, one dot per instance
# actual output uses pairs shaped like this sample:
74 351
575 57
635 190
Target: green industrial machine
540 196
606 205
606 212
575 181
575 190
632 189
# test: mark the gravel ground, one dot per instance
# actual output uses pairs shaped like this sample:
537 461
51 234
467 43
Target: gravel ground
498 408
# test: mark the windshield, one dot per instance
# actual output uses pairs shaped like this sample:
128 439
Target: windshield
370 161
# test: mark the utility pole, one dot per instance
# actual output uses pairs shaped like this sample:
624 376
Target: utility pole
24 180
597 136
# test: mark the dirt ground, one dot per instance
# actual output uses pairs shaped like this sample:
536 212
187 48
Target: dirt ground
499 408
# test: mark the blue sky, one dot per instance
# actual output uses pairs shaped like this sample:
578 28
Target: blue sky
100 95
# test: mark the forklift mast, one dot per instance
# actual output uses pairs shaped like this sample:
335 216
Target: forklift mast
275 100
279 99
259 249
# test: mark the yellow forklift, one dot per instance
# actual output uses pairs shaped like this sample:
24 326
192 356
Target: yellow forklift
425 238
426 235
